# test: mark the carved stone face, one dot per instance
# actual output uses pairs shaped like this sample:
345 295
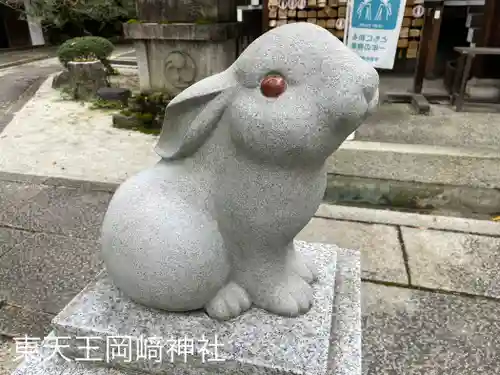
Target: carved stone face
301 93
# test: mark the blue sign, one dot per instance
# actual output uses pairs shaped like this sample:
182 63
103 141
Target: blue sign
375 14
368 43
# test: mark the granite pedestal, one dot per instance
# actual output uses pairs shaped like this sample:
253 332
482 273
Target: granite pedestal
113 334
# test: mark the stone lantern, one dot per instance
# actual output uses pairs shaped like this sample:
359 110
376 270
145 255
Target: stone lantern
179 42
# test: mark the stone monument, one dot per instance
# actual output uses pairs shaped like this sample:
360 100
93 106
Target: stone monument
199 249
179 42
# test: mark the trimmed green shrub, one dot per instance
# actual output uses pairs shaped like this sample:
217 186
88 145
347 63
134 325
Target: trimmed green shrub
85 47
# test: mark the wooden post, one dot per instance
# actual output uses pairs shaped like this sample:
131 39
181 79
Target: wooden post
486 34
423 51
489 19
434 40
265 15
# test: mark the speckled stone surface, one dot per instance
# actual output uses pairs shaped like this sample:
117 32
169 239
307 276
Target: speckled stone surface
345 339
326 340
257 342
381 254
242 172
458 262
43 364
413 332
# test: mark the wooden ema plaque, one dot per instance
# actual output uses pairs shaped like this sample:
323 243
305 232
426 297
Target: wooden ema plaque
329 14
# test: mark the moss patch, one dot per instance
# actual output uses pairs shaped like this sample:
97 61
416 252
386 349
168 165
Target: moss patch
106 104
205 21
145 130
145 113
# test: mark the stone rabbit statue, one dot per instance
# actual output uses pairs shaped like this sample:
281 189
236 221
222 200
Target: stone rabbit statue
242 172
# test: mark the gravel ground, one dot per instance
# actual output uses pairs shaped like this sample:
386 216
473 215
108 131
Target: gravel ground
61 138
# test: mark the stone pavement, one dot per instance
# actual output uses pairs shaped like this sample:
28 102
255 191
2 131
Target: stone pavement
18 84
430 291
15 57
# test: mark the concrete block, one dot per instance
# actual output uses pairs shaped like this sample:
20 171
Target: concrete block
368 215
420 163
397 123
420 104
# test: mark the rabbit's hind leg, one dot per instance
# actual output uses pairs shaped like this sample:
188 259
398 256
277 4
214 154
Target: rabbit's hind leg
230 302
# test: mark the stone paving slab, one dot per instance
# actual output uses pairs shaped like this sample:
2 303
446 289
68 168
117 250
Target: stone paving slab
45 272
454 261
62 210
409 332
9 238
9 57
13 196
381 254
83 185
17 322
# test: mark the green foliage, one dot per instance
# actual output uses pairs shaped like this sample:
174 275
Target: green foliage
147 130
89 57
107 104
147 111
77 16
86 48
60 12
150 102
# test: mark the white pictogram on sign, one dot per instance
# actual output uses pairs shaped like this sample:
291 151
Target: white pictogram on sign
385 7
364 10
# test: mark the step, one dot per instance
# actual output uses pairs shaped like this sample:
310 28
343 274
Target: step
476 168
417 197
396 123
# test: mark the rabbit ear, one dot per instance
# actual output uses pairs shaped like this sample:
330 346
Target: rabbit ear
192 115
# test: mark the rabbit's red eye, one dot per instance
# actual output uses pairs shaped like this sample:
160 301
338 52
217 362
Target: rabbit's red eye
273 86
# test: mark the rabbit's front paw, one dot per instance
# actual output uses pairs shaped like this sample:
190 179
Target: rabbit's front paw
230 301
292 296
304 268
